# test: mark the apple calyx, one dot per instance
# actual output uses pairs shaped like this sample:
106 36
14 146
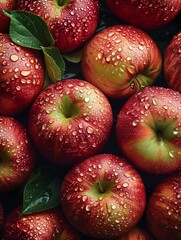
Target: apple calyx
101 188
4 160
141 81
68 108
63 3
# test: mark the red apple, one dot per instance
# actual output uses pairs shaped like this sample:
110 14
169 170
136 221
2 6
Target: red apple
172 63
148 130
146 14
136 234
164 209
121 60
4 20
22 76
69 121
16 154
103 196
1 216
48 225
71 22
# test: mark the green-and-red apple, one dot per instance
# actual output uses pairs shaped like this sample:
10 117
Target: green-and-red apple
21 78
69 121
4 20
164 209
148 130
17 156
146 14
71 22
49 225
103 196
121 60
172 63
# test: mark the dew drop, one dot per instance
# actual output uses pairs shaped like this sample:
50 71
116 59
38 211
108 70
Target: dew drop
171 154
135 123
125 184
14 58
25 73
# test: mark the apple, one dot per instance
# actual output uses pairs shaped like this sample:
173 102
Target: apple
136 233
121 60
148 130
69 121
6 5
1 215
103 196
172 63
71 22
164 208
17 155
22 76
145 14
49 225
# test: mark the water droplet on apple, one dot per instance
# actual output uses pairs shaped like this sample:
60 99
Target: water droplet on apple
171 154
90 130
155 101
113 207
135 123
87 208
14 58
79 179
84 198
125 184
175 131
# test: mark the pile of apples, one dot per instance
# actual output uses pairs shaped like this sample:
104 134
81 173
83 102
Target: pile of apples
92 152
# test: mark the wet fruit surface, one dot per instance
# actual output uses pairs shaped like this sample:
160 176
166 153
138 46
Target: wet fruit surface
72 115
126 58
107 191
22 76
164 209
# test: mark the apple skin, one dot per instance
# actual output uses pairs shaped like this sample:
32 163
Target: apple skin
145 14
164 208
103 196
136 233
71 22
172 63
148 130
17 157
1 215
7 5
22 76
69 121
121 60
39 226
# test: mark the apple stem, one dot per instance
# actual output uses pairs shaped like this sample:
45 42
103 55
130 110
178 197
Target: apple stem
100 187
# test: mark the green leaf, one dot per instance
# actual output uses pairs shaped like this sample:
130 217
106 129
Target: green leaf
42 190
54 62
73 57
29 30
